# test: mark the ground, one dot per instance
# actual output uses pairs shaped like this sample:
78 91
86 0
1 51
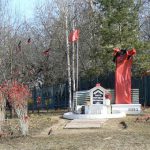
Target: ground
110 136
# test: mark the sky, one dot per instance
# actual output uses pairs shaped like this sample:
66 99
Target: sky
24 8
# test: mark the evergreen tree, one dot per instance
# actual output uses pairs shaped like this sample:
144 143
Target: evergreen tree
118 27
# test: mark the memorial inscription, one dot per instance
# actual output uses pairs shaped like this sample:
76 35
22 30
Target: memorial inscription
98 96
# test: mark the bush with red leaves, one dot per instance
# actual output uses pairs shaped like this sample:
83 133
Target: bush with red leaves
18 94
15 92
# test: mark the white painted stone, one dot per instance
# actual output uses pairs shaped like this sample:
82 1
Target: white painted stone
107 102
127 108
71 115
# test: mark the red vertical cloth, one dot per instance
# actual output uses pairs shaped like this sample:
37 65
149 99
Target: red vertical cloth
74 35
123 78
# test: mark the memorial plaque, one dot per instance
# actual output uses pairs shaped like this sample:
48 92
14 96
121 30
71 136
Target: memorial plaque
98 96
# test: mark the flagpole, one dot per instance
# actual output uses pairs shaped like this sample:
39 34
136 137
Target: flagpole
77 70
68 59
73 61
77 63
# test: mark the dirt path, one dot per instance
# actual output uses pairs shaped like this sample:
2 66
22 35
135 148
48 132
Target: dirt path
59 128
52 129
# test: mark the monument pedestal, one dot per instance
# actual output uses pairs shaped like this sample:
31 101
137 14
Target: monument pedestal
94 109
99 109
127 108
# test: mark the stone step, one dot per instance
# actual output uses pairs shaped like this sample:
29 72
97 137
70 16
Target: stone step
85 123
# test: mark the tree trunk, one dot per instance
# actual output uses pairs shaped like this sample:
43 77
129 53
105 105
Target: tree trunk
68 60
2 112
23 119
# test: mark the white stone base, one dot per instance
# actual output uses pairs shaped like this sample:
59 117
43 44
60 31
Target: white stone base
94 109
127 108
71 115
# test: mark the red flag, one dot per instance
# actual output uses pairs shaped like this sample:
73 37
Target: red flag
74 35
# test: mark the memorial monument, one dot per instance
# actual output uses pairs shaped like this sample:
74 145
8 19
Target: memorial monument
96 102
93 104
123 59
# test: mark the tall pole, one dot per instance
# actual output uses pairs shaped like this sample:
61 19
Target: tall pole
73 62
68 59
77 58
77 74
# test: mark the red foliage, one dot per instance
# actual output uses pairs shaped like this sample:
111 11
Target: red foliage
38 100
108 96
16 92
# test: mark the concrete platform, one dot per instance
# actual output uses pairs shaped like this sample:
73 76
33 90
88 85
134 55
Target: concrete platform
116 114
85 123
132 109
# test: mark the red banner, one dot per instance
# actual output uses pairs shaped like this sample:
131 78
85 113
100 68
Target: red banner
123 76
74 35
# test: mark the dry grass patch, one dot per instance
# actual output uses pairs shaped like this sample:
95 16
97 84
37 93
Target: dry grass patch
111 136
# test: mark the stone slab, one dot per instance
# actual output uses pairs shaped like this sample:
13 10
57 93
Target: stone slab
85 123
132 109
72 116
